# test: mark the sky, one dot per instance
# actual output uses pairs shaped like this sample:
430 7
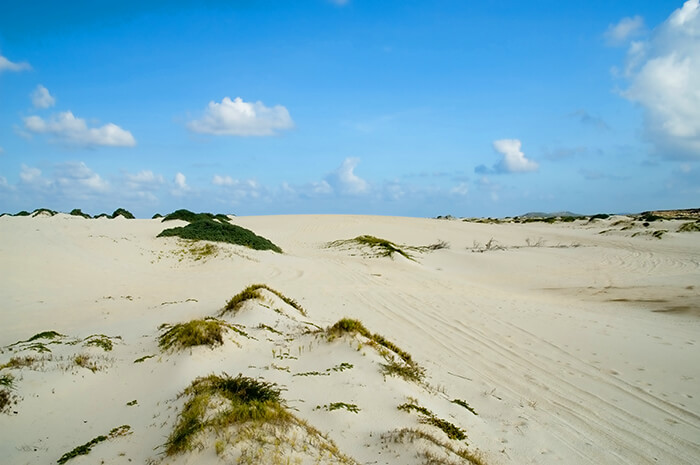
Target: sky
408 108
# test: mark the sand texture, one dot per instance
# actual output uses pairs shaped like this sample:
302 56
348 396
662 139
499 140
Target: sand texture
535 343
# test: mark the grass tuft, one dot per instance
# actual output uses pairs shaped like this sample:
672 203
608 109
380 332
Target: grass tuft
690 227
87 447
429 418
464 404
215 231
100 340
338 406
207 332
233 401
410 435
252 292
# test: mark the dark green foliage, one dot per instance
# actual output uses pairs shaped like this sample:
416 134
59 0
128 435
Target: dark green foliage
22 213
102 215
191 217
121 212
210 230
600 216
465 405
39 211
7 380
246 399
132 403
567 219
87 447
79 212
207 332
44 335
142 359
156 216
252 292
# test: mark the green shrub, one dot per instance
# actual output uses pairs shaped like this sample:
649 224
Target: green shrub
121 212
252 292
39 211
79 212
191 217
22 213
156 216
210 230
599 216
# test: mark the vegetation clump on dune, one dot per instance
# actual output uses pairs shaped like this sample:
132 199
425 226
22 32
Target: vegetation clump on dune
407 368
252 292
215 231
87 447
79 212
690 227
429 418
384 248
191 217
122 212
207 332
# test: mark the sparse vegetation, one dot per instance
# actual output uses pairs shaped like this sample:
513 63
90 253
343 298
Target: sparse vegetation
207 332
689 227
252 292
339 406
216 231
144 358
464 404
380 247
100 340
20 362
429 418
41 211
6 386
408 370
412 435
85 361
87 447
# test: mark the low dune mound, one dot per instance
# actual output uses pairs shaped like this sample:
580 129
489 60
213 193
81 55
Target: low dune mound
217 231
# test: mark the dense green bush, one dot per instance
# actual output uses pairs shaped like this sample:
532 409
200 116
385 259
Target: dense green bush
191 217
210 230
121 212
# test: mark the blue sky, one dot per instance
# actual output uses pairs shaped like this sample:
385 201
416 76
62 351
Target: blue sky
413 108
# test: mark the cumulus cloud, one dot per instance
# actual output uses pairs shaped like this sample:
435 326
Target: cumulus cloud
181 182
143 180
29 174
345 181
239 189
239 118
66 128
619 33
513 161
78 179
41 98
7 65
663 79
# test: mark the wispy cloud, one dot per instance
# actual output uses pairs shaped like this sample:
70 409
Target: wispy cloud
7 65
239 118
345 181
589 120
66 128
626 28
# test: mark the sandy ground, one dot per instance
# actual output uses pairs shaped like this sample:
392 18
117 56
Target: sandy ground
575 343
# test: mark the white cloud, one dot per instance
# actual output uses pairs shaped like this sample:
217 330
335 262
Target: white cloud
460 189
29 174
181 186
77 179
663 73
41 98
65 127
143 180
513 161
239 118
619 33
7 65
239 189
344 179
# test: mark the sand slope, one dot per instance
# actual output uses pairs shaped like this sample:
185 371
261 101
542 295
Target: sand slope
574 343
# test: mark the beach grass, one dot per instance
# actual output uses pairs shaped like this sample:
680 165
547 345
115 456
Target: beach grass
252 292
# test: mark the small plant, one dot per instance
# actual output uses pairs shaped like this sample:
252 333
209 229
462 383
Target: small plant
338 406
20 362
252 292
6 386
465 405
87 447
429 418
101 341
207 332
144 358
132 403
380 247
84 361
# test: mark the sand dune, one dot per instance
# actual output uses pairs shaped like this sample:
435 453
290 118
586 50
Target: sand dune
543 343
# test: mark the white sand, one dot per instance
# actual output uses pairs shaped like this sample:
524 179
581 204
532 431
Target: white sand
582 349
